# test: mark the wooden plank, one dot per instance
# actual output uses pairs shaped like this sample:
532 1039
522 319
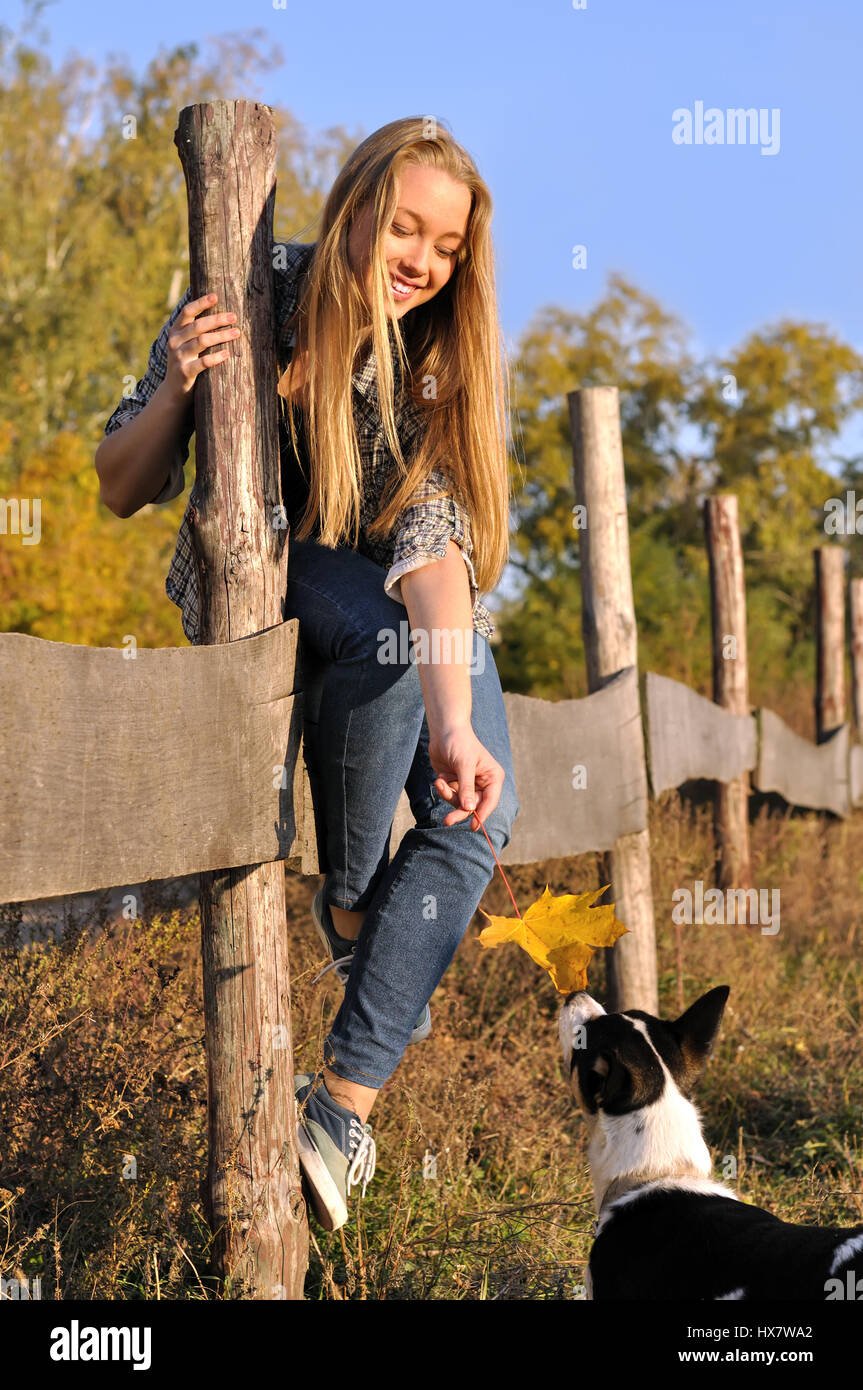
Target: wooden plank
855 605
730 683
829 640
804 773
611 645
121 770
403 820
855 774
689 737
581 785
579 769
308 862
311 673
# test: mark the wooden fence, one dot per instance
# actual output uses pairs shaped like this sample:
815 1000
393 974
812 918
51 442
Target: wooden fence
126 766
86 735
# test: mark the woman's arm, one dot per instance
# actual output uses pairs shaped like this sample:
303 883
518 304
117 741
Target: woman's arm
134 461
131 461
437 598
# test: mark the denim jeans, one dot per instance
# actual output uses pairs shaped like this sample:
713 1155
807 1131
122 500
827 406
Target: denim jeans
370 743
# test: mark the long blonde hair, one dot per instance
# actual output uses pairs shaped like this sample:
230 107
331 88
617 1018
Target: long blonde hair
453 339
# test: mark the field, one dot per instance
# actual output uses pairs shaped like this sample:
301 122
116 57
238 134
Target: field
103 1086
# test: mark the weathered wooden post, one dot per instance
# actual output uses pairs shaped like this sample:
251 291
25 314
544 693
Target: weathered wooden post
730 681
829 640
228 153
856 609
611 644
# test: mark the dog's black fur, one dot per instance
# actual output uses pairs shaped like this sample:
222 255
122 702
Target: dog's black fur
666 1229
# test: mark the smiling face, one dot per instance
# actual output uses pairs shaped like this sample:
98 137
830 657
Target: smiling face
422 241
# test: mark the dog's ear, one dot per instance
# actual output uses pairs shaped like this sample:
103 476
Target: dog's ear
615 1088
696 1030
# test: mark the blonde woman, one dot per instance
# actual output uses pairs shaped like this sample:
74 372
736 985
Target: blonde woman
395 482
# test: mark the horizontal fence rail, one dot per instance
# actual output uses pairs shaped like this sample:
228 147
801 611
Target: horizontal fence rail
804 773
88 733
121 769
690 737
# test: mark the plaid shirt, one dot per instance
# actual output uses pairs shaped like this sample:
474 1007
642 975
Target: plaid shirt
425 526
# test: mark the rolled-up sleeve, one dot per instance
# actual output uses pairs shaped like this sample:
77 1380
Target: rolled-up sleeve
426 527
145 389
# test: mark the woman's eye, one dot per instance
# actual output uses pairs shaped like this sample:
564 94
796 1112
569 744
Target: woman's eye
441 250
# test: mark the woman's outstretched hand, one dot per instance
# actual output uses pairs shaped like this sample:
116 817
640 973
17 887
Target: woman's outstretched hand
468 776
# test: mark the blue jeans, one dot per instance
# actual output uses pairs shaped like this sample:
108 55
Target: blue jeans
371 742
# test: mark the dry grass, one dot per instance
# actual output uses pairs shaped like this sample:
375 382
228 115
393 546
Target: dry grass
101 1058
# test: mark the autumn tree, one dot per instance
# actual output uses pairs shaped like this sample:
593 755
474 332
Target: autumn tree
93 257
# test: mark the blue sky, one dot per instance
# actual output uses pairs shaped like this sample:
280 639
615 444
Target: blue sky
568 113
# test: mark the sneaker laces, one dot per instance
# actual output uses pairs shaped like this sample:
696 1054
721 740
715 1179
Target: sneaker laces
362 1168
342 967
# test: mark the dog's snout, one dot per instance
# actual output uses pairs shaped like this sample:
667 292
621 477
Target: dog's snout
577 1010
582 1007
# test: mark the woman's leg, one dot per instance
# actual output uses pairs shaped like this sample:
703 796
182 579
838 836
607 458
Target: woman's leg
370 714
371 741
424 902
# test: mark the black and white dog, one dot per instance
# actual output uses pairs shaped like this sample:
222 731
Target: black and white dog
665 1228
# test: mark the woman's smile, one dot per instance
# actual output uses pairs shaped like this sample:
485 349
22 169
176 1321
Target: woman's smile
402 291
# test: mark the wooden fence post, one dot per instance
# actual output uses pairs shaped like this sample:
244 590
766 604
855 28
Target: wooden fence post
829 640
611 644
856 613
228 153
730 681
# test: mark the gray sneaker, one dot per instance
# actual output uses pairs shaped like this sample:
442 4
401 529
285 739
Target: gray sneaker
341 954
336 1150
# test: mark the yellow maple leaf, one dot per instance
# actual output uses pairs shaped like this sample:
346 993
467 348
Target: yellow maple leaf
559 933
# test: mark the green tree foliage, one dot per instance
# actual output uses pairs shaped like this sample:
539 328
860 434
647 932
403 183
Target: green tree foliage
630 342
771 412
762 423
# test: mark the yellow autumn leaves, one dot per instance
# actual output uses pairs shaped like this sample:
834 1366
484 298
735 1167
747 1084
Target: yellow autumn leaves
559 933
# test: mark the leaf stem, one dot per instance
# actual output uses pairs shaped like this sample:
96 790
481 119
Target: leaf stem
500 866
